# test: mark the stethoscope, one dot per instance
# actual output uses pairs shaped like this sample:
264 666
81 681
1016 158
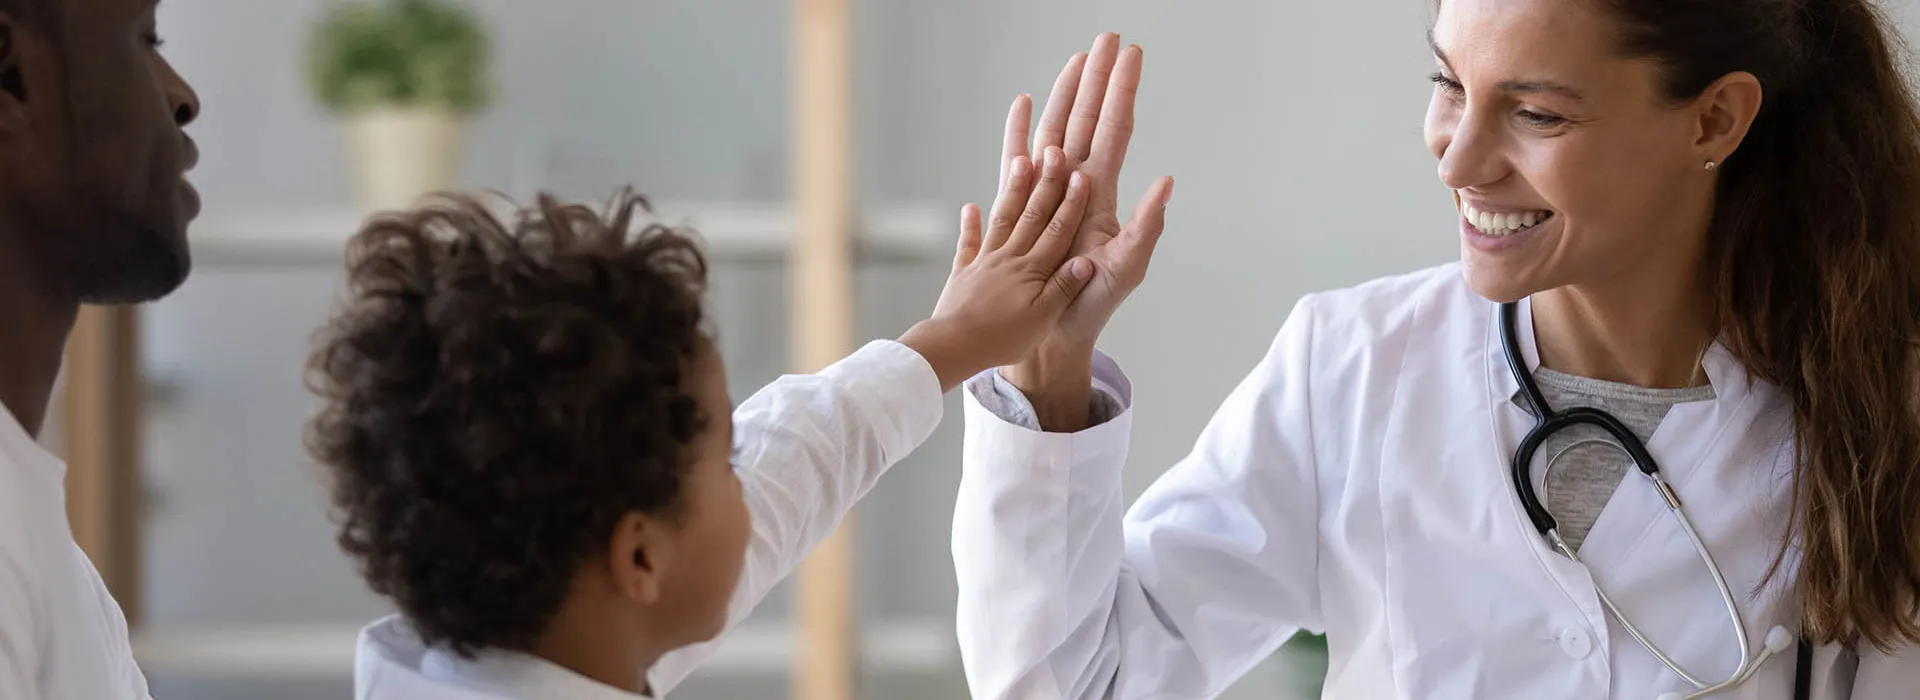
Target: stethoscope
1549 421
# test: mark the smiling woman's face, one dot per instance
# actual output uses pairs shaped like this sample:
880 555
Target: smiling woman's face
1569 164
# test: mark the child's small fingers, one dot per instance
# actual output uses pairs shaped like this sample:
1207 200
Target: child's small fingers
969 236
1006 207
1058 237
1048 190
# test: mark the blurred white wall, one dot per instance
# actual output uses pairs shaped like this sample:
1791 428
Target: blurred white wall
1293 129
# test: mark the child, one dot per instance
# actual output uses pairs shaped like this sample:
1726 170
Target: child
527 429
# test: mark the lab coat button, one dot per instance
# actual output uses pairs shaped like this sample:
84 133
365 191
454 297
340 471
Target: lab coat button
1576 643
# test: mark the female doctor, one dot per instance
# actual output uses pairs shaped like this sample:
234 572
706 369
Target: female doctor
1654 436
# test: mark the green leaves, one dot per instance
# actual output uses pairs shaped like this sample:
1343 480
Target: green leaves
406 53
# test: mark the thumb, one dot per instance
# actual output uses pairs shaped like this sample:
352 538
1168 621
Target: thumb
1067 284
969 244
1148 222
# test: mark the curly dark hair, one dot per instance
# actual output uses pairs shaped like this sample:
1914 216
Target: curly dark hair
496 398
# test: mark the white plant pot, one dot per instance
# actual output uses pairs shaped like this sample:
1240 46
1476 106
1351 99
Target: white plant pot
400 154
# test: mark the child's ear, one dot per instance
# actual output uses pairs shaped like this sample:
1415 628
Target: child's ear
641 554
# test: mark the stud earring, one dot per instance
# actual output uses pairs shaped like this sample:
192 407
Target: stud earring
1711 165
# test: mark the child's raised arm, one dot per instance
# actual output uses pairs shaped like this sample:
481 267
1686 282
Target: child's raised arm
808 447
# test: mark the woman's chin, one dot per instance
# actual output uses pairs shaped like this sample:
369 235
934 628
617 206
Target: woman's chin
1493 283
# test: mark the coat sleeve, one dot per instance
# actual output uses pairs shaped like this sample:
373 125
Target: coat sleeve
1065 595
806 448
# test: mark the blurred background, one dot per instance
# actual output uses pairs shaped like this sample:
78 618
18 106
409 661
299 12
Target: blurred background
1293 129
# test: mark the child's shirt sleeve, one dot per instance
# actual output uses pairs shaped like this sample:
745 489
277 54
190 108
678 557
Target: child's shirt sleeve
807 448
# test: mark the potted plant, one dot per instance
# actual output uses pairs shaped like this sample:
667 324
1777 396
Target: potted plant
404 77
1305 659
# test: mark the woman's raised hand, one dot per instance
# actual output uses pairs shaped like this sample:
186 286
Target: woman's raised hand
1089 116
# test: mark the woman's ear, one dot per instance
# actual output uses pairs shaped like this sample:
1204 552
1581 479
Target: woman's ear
641 554
1726 110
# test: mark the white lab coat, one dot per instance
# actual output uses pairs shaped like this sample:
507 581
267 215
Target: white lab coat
1357 483
806 447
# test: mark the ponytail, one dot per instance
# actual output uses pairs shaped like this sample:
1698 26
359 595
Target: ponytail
1815 256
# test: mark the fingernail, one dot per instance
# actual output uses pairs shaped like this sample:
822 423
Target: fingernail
1053 157
1080 268
1020 166
1073 180
1169 198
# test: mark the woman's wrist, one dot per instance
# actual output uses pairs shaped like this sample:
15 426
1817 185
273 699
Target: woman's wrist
1059 384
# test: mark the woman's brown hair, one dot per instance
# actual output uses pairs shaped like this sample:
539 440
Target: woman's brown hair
1815 257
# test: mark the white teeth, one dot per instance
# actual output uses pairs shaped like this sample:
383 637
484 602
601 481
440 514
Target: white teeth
1502 224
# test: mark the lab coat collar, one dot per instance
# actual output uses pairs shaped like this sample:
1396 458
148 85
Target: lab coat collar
393 664
22 448
1735 395
517 675
1729 378
1684 445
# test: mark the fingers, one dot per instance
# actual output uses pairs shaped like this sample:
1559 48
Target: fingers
969 247
1006 207
1054 177
1019 123
1053 122
1144 229
1057 238
1067 284
1114 129
1088 98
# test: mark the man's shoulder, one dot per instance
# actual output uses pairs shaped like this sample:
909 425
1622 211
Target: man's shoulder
33 527
24 564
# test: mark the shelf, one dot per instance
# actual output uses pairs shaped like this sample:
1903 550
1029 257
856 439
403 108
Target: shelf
730 230
326 651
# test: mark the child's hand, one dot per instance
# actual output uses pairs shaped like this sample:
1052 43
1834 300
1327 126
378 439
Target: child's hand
1090 115
1008 288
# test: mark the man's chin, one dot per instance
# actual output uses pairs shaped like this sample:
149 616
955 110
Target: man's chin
142 272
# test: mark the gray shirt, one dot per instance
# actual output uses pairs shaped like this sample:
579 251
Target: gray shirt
1581 481
1583 478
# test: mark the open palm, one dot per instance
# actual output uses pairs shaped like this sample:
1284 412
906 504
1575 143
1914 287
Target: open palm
1089 115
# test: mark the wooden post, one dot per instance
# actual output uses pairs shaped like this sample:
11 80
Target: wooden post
100 436
820 270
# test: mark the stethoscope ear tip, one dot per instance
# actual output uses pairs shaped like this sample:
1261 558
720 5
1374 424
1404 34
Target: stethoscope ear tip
1778 639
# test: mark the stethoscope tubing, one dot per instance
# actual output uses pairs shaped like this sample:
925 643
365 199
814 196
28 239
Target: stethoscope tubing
1549 421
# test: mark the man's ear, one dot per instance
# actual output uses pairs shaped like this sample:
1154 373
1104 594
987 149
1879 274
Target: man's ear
13 83
641 553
